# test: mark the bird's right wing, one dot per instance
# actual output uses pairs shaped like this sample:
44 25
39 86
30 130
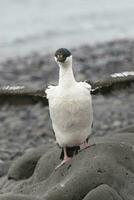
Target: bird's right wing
115 81
22 94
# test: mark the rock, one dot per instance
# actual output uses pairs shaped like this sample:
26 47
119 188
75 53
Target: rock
102 192
4 166
24 166
104 171
18 197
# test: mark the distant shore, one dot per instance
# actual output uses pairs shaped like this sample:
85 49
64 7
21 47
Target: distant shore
43 28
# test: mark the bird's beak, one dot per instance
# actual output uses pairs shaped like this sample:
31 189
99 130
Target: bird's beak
60 58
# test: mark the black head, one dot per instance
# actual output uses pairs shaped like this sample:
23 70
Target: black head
62 54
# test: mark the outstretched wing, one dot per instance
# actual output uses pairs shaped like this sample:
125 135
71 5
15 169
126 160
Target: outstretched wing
115 81
22 94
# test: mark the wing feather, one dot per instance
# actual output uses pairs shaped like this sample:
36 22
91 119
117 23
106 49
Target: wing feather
115 81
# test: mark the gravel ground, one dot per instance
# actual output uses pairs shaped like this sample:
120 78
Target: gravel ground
27 126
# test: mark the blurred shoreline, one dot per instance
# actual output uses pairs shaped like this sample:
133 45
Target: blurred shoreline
43 52
31 26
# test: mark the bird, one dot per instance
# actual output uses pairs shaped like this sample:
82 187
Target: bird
70 106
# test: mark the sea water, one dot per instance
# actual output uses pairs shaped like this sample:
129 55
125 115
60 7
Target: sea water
42 26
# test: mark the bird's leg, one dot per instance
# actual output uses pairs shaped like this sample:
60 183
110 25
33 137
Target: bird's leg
86 145
65 160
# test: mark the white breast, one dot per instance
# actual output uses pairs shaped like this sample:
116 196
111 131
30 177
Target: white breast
71 113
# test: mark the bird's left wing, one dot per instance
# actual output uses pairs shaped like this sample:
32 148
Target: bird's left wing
115 81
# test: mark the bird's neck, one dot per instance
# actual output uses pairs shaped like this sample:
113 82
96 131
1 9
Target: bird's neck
66 76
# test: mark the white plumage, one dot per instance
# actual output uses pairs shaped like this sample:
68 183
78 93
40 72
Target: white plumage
71 113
